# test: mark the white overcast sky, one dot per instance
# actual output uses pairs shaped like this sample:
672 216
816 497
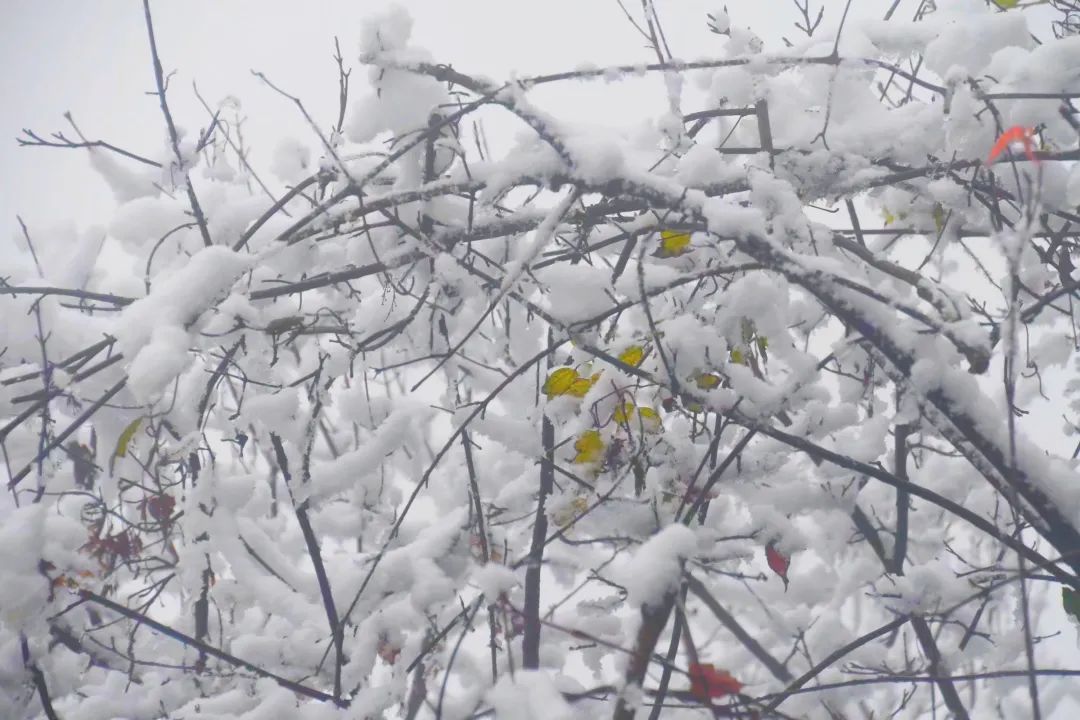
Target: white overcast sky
91 57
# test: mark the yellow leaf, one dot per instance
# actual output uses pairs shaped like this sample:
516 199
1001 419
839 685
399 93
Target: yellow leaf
889 217
126 437
560 382
650 420
737 356
570 513
633 355
707 381
1006 4
589 447
673 244
580 387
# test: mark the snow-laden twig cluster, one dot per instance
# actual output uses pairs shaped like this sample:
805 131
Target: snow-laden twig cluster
744 415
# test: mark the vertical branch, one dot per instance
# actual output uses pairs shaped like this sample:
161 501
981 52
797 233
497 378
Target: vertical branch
38 678
665 674
419 687
761 108
174 138
312 543
1009 373
903 500
653 620
530 647
427 224
922 630
46 371
937 670
201 610
343 86
485 547
202 613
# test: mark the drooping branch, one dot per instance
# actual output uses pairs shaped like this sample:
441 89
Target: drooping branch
207 649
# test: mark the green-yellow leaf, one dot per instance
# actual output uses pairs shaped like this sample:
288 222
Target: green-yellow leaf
1006 4
126 437
647 417
673 244
571 512
633 355
888 216
939 217
650 420
707 381
580 387
560 381
589 447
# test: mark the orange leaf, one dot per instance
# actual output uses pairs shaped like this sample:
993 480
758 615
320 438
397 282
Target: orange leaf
1016 133
778 562
707 682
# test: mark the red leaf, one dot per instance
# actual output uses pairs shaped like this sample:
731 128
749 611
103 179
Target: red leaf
161 507
1016 133
707 682
778 562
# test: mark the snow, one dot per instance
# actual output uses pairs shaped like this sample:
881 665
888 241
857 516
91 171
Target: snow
528 695
356 468
966 43
720 22
494 580
573 292
123 179
162 358
654 569
1072 192
152 331
898 38
701 165
387 30
144 220
292 160
21 599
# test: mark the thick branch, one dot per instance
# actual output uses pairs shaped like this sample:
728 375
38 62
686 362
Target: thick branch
530 647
